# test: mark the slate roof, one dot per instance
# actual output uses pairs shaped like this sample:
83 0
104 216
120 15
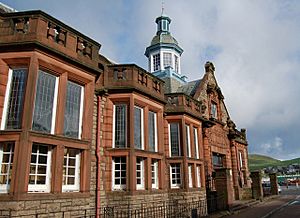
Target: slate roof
164 38
189 88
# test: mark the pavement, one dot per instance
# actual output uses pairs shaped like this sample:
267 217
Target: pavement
255 208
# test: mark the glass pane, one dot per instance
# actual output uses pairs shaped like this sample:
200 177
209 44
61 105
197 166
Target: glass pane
117 167
44 99
5 158
123 174
72 110
4 168
7 146
42 170
3 179
43 149
16 98
117 174
32 179
151 129
71 171
71 180
72 162
32 169
138 127
42 159
41 180
123 181
117 181
120 126
174 139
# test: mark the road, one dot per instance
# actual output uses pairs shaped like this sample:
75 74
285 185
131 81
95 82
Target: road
287 205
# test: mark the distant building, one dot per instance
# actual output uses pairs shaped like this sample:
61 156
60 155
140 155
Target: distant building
82 135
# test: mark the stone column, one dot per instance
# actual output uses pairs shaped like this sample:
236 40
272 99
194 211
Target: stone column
274 183
224 188
257 190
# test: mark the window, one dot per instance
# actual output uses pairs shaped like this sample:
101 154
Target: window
154 174
213 111
119 173
138 128
14 98
174 139
188 140
198 176
73 110
176 64
190 176
175 175
196 143
241 159
45 103
152 128
218 160
167 60
71 170
140 175
40 168
6 162
119 126
156 62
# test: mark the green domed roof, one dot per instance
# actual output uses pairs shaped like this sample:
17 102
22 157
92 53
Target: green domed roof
164 38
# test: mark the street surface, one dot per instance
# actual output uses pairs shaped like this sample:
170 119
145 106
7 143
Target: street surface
287 205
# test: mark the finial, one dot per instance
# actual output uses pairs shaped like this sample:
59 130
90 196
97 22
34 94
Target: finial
162 7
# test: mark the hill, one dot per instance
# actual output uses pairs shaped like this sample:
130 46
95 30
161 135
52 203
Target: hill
257 161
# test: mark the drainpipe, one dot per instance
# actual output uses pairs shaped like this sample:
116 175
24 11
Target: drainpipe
98 168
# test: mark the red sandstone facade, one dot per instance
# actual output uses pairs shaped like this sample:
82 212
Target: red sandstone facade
129 144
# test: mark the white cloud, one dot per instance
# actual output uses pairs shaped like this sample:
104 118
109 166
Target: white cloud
271 148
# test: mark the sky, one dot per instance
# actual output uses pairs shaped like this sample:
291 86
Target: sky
254 45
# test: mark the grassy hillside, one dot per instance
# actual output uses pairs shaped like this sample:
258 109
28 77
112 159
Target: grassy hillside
257 162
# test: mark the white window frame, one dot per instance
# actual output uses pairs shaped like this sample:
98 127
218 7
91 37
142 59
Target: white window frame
190 176
175 185
188 140
140 161
167 56
142 125
241 159
154 172
198 176
114 124
155 131
153 64
81 113
76 186
178 136
54 108
4 188
196 142
45 187
6 99
114 186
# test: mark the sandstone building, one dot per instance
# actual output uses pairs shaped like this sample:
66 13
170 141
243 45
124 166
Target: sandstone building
80 134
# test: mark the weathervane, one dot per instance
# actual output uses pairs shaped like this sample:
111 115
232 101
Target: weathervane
162 7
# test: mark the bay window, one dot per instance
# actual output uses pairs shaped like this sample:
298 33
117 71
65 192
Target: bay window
6 162
45 103
73 110
152 128
188 140
140 174
40 168
190 174
118 173
174 139
71 170
120 126
14 99
154 174
138 127
196 143
175 175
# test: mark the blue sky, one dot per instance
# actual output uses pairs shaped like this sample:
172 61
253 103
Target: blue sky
254 45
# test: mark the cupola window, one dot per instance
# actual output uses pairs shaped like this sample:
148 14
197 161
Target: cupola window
156 62
167 59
